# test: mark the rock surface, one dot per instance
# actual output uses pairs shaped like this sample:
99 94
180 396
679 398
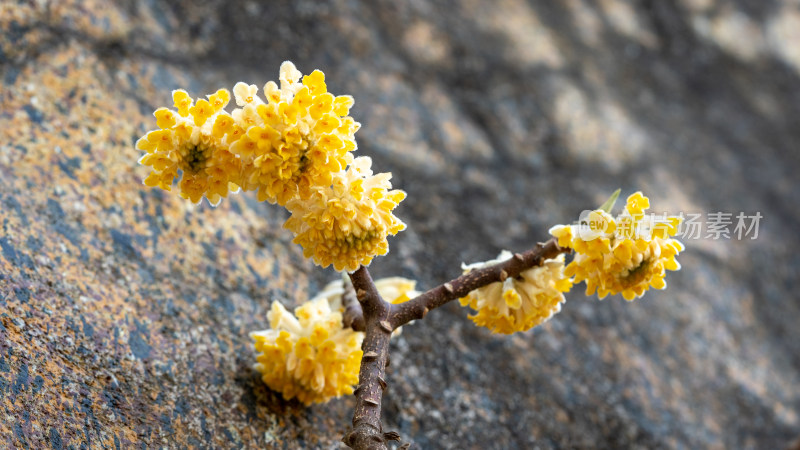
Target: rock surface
124 311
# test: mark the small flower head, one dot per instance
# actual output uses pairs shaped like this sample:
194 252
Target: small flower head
309 355
637 204
187 147
182 101
521 303
346 223
289 75
628 254
245 94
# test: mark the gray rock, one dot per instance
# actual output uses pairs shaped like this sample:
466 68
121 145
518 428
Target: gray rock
124 312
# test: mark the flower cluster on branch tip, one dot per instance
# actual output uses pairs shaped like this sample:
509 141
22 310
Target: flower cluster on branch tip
346 224
309 355
522 302
627 254
624 255
295 149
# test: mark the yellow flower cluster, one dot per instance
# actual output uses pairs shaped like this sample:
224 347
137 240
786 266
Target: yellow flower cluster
346 224
282 147
309 354
521 303
294 141
294 149
186 141
628 254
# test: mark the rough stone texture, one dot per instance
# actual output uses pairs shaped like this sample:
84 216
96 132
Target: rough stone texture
124 311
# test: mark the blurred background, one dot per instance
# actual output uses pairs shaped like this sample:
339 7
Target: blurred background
124 311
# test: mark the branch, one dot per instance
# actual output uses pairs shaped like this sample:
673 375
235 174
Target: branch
367 432
379 318
352 316
417 308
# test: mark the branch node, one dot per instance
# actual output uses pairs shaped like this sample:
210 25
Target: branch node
348 438
448 287
519 257
370 402
425 312
370 355
385 326
503 275
405 446
391 436
360 294
382 382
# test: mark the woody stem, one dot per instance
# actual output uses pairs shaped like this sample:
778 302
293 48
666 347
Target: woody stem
379 318
417 308
367 432
352 317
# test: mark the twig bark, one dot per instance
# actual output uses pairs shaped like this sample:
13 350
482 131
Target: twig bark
352 316
367 432
417 308
380 318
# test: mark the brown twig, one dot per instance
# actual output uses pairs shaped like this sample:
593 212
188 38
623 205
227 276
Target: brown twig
402 313
367 432
380 318
352 316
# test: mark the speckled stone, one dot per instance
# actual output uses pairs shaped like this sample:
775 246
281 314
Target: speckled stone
124 311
